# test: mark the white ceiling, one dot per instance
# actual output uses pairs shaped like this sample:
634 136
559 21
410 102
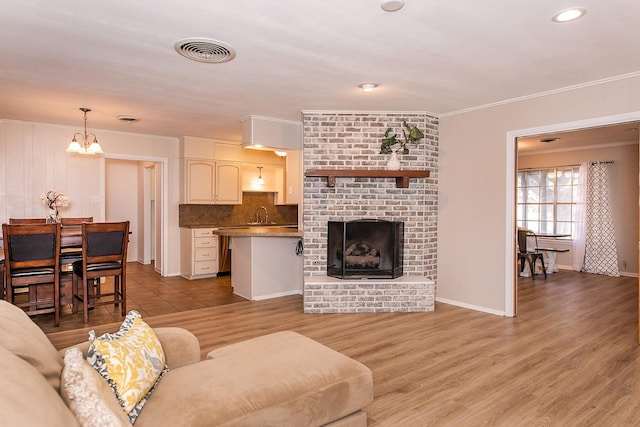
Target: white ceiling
117 57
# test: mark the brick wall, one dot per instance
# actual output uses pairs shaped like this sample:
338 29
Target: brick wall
324 294
352 141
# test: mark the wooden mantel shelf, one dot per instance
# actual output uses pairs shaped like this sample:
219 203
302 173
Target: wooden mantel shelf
401 176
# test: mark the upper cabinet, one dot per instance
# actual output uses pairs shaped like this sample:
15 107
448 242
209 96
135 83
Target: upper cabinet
200 183
217 172
210 182
293 178
228 183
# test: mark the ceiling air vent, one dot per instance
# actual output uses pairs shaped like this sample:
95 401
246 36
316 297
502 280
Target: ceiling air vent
205 50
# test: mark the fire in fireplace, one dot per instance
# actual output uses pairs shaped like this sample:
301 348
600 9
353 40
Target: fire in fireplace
365 249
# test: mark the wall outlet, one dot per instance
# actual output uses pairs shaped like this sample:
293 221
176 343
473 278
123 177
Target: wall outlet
95 199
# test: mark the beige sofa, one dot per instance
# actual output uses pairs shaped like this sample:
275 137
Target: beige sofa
281 379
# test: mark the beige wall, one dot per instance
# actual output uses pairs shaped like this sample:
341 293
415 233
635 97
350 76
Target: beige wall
122 184
623 186
475 241
33 160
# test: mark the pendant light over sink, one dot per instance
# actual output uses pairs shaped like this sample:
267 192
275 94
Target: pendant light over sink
259 181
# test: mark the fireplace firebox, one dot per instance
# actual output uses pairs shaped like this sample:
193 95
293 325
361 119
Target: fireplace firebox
365 249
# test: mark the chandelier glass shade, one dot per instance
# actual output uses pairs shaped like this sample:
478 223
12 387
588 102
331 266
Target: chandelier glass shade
84 143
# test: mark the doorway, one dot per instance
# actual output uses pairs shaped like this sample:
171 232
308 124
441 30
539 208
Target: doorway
140 181
512 163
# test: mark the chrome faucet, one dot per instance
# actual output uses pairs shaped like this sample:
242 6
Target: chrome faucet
266 214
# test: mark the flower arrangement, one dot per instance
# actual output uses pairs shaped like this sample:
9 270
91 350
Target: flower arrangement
53 200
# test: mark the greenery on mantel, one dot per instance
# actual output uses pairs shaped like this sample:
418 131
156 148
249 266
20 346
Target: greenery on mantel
410 135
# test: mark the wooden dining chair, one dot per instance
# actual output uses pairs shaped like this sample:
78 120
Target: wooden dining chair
32 267
104 254
73 253
529 256
27 221
75 220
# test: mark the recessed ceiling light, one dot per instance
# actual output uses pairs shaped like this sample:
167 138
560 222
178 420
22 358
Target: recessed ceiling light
569 14
391 5
368 87
548 140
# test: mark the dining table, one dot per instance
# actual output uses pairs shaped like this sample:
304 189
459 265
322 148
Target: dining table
70 237
551 252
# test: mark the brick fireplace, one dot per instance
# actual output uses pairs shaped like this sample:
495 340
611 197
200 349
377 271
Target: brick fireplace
351 140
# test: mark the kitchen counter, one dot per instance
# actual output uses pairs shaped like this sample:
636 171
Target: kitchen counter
266 262
245 225
259 232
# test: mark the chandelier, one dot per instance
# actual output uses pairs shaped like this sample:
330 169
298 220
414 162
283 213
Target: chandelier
89 144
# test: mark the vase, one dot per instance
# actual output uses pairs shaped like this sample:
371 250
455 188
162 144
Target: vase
393 164
53 216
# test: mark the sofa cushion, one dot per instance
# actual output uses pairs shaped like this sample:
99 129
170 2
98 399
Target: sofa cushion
180 346
26 398
131 360
277 379
88 394
26 340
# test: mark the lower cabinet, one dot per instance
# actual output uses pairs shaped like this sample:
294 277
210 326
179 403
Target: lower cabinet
199 253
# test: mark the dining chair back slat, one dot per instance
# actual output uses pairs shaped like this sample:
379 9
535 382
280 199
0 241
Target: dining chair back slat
24 221
75 220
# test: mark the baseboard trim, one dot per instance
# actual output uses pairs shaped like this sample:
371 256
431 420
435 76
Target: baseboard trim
470 306
276 295
622 273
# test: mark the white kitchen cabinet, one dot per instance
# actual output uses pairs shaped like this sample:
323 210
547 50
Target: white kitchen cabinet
200 183
199 253
290 187
210 182
228 183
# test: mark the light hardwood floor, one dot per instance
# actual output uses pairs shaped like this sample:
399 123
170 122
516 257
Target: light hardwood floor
570 357
151 295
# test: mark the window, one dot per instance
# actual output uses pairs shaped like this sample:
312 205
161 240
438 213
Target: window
547 199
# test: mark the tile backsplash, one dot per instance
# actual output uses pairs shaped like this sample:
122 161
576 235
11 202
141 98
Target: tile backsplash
224 215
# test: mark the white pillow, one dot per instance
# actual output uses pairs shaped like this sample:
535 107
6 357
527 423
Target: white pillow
88 395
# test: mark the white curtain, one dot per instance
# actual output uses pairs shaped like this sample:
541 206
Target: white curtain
600 251
579 225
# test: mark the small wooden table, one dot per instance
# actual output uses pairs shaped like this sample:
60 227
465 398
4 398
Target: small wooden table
552 253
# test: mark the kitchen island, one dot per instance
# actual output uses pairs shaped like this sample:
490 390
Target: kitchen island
265 262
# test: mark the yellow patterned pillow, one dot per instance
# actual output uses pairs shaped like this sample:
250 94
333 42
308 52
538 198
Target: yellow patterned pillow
131 360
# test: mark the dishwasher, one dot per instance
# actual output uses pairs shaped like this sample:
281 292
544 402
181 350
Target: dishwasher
224 255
